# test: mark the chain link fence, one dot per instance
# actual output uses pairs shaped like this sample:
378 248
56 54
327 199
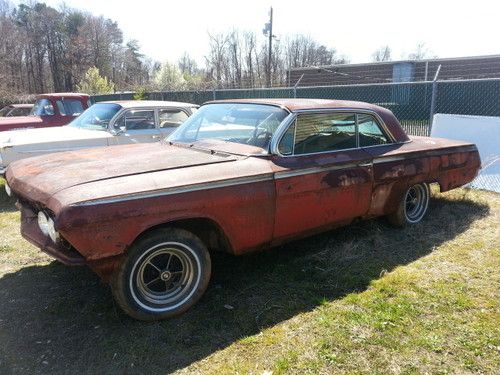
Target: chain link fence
413 103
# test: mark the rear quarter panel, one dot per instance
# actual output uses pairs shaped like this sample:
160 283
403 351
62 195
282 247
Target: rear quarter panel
396 167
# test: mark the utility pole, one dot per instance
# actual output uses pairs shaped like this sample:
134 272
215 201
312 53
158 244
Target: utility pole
268 30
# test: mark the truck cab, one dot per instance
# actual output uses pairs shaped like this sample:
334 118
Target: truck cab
54 109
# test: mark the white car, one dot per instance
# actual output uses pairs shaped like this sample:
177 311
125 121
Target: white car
103 124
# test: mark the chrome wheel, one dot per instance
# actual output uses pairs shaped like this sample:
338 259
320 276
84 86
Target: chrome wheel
165 276
415 202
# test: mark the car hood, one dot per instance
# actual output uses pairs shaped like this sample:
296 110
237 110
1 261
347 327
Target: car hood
48 135
39 178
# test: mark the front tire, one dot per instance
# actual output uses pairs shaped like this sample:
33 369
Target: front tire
412 207
164 274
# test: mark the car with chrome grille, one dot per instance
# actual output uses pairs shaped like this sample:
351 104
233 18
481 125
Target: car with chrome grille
238 176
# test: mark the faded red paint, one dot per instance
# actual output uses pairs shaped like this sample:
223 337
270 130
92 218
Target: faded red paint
289 197
57 119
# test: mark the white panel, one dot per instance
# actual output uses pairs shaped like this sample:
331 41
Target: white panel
481 130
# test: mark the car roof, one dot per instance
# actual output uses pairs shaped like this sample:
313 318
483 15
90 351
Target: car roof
149 103
292 104
63 94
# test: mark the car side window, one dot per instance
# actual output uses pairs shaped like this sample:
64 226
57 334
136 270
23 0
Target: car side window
17 112
286 145
171 118
69 107
136 120
322 132
370 133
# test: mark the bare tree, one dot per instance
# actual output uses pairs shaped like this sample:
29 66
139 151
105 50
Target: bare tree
235 59
216 60
46 49
249 43
382 54
188 65
421 52
302 50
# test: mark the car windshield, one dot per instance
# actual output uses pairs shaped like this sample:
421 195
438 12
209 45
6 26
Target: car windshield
251 124
97 117
42 107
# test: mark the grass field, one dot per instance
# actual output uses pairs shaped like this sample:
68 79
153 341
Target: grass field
367 298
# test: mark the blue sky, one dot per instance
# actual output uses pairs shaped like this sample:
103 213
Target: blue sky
165 29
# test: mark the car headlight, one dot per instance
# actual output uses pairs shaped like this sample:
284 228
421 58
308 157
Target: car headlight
8 189
47 226
53 233
43 223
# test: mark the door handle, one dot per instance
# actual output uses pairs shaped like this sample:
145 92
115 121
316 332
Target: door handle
367 164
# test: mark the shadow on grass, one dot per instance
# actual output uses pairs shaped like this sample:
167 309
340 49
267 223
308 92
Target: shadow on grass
7 204
56 319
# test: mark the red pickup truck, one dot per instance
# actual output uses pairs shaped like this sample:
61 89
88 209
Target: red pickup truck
55 109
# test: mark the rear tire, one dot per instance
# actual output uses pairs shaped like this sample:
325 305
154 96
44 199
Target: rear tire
163 275
413 206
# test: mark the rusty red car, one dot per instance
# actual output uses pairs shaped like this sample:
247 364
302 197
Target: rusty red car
237 176
55 109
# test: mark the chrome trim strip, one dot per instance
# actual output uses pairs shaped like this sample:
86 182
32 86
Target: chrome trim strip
356 129
177 190
287 122
355 110
389 159
54 150
262 178
280 132
306 171
415 154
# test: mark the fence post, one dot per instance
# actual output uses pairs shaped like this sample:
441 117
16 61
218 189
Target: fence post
295 86
214 94
433 99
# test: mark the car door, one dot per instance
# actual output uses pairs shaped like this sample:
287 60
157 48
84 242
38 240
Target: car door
136 126
169 119
322 176
389 179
